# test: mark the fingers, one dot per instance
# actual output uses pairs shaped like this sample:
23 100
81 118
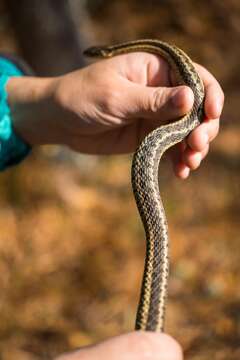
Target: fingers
196 146
203 134
214 98
195 149
192 159
185 159
213 104
181 170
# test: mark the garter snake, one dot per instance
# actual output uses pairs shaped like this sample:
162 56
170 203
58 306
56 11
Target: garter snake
151 308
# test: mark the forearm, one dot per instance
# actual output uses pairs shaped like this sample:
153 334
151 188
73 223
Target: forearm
34 110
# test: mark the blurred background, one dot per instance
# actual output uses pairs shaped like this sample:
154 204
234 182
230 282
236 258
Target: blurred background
71 243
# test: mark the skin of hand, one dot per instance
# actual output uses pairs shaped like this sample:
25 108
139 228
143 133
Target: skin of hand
109 106
137 345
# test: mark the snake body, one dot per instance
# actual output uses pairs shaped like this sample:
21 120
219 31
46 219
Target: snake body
145 164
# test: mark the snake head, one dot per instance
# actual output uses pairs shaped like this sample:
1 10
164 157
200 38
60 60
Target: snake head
98 52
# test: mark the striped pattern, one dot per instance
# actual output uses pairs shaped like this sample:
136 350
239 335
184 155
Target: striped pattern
145 164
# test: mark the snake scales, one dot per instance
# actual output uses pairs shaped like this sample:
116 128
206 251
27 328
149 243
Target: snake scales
151 308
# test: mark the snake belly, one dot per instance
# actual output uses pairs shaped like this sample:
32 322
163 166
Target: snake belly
145 165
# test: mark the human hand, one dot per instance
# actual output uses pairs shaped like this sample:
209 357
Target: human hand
108 107
137 345
128 96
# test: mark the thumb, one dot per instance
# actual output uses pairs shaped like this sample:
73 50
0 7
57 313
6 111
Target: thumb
157 103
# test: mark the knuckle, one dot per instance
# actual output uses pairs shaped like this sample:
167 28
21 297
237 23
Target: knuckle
154 102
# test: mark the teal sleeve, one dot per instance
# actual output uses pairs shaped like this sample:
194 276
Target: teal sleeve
13 149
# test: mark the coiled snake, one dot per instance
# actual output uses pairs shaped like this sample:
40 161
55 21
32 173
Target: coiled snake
151 308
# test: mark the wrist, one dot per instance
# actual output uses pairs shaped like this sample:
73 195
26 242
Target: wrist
34 110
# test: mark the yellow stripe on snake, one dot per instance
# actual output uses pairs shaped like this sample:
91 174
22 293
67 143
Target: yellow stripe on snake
151 308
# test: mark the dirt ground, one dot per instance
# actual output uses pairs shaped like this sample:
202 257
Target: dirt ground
71 244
